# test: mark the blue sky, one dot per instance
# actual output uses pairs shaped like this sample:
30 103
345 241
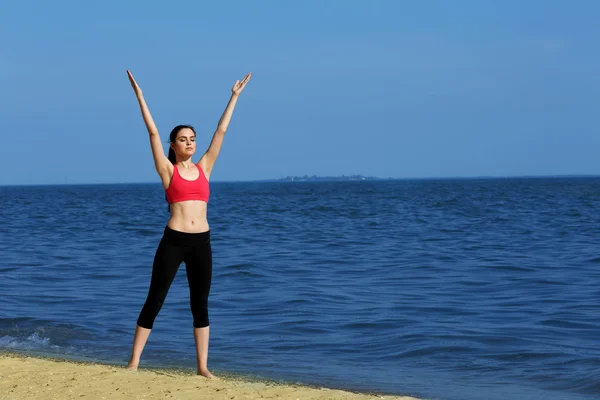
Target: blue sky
381 88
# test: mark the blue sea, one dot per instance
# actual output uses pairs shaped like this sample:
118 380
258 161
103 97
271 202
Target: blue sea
441 289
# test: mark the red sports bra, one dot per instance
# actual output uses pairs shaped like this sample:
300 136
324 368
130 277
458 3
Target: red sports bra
181 189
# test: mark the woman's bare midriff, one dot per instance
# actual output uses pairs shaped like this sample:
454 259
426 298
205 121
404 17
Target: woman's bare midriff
189 216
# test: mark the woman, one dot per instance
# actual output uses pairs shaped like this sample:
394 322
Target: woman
187 236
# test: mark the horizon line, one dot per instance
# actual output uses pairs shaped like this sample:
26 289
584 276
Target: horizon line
325 179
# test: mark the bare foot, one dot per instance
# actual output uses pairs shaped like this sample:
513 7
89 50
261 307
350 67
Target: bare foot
206 373
132 366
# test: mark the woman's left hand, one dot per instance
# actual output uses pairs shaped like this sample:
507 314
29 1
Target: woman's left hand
240 85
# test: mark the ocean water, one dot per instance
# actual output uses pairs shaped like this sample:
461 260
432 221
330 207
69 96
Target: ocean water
441 289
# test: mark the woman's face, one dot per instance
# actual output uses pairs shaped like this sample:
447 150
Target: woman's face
185 143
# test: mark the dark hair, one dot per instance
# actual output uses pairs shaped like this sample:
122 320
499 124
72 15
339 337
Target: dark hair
172 137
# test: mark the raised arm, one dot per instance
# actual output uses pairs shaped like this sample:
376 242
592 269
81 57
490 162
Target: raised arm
161 162
208 159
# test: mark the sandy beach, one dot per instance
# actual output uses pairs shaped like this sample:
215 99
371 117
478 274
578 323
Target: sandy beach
23 377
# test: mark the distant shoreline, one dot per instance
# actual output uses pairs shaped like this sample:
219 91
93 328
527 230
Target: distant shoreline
344 178
314 178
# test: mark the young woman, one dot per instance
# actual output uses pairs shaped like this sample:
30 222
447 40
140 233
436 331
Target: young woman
186 237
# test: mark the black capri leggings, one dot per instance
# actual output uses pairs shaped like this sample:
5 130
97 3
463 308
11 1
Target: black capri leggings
176 247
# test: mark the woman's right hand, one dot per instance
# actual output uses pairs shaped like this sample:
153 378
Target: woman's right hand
134 85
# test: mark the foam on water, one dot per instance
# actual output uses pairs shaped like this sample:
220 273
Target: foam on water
31 342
